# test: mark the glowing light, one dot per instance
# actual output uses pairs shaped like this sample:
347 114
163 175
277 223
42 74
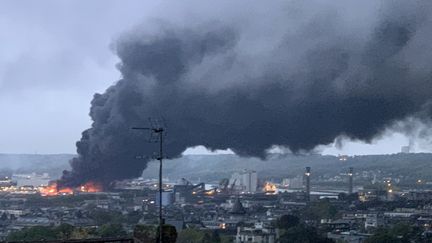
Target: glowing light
210 193
269 187
91 187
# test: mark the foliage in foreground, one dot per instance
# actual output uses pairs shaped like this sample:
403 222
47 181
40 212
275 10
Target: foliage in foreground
66 231
202 236
399 233
292 230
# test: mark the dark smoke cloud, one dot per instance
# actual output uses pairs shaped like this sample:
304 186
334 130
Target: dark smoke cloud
228 85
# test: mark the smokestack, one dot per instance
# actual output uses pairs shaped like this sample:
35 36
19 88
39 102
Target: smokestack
307 178
350 180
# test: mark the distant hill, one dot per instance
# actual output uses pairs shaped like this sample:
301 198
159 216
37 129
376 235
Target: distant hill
215 167
54 164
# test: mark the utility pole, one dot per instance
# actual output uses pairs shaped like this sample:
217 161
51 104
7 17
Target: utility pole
157 130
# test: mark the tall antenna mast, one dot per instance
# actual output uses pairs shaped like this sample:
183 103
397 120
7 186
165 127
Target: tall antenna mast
307 177
157 133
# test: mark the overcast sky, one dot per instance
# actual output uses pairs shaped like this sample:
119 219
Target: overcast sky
54 55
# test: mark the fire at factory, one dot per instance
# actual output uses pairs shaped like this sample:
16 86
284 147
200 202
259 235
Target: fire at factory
43 185
53 189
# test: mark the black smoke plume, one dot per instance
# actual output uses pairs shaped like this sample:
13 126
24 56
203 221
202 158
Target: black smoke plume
232 85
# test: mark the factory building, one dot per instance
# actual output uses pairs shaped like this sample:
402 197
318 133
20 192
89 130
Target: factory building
167 198
293 183
245 181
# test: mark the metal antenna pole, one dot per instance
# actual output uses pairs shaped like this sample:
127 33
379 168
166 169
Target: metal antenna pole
160 185
159 131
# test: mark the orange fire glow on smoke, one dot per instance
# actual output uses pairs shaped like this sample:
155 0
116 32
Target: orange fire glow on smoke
53 190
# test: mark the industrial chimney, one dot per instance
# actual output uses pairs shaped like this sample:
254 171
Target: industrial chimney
307 177
350 180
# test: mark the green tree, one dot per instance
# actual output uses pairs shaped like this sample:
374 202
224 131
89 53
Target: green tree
383 236
64 231
211 237
287 221
302 234
190 236
111 230
169 233
407 232
150 233
82 233
322 209
226 239
133 217
33 234
399 233
103 216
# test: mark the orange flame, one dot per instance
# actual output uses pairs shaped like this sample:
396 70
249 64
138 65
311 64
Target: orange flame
53 190
269 187
65 191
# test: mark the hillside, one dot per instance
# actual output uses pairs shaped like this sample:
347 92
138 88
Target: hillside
214 167
54 164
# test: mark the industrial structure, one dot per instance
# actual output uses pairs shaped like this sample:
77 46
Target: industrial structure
245 181
187 191
350 180
307 180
